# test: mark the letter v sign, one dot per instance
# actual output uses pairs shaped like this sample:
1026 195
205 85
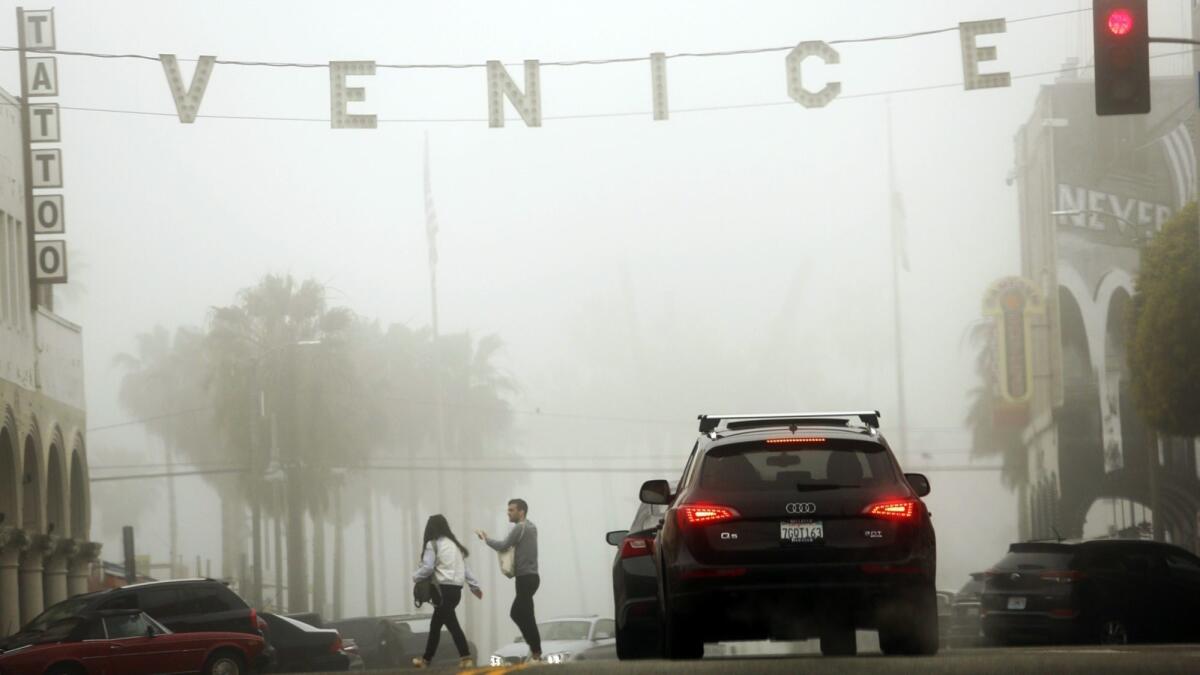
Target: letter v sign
187 103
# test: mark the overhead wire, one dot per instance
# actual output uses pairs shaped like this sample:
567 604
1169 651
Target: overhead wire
559 63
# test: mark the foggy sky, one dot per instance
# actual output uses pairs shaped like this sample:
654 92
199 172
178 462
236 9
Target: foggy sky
744 253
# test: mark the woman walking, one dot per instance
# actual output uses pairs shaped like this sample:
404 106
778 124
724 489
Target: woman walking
444 559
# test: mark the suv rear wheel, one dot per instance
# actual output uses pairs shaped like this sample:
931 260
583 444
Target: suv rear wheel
632 644
839 642
680 639
910 625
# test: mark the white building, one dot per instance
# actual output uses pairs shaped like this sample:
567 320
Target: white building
45 510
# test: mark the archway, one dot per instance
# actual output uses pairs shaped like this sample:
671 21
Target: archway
31 487
1079 428
55 520
80 526
8 479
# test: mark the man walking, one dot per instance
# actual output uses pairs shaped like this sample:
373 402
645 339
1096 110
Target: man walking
522 538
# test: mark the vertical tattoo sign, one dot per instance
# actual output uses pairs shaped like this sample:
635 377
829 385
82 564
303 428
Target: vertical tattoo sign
45 211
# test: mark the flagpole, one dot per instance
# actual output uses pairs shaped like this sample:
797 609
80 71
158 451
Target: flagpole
893 203
431 228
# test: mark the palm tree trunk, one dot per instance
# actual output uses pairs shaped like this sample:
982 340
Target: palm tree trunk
297 566
318 555
339 554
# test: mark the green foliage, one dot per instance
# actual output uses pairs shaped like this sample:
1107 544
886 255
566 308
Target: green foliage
1164 345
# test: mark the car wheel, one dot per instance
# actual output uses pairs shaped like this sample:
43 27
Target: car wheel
225 663
1113 631
635 645
911 626
841 642
66 669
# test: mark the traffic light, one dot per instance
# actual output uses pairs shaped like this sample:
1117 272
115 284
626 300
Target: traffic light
1122 56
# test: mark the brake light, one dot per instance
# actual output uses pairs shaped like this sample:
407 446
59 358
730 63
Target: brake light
336 645
1062 576
704 514
903 509
255 625
794 439
1064 613
635 547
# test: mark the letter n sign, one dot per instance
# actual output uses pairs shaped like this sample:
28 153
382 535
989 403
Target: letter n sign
50 261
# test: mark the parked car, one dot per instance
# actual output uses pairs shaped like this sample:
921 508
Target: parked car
945 608
635 585
182 605
794 526
393 641
301 647
563 640
966 629
129 642
1101 591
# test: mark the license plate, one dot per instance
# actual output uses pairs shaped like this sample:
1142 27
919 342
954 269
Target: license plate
1016 602
801 531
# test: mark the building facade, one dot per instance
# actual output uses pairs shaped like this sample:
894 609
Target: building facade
45 511
1093 191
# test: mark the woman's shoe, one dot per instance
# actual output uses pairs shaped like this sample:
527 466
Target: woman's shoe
420 662
466 662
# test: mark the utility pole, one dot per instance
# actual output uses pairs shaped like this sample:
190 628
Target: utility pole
895 219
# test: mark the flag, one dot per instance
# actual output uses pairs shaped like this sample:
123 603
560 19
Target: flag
431 221
899 231
1181 156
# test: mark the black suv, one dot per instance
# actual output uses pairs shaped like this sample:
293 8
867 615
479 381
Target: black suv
795 526
1105 591
183 605
635 585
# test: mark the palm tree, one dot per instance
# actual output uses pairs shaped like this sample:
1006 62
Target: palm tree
283 352
164 384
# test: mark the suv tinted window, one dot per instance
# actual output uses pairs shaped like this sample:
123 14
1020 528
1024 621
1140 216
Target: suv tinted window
126 600
1035 560
759 465
169 601
211 599
1183 568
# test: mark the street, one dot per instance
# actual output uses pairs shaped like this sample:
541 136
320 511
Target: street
1093 659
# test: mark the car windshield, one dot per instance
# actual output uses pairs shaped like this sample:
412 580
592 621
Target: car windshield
820 465
56 632
56 613
565 630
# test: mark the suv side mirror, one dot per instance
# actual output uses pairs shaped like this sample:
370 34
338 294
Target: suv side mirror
615 537
655 492
918 482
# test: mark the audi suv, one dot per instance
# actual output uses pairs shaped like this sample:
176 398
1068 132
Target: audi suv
795 526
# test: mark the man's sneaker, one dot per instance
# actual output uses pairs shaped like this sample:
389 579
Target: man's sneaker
466 662
420 662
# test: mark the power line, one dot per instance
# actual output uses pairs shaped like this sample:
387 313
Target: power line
560 63
144 420
581 116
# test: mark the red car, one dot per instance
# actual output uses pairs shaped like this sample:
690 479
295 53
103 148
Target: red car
129 642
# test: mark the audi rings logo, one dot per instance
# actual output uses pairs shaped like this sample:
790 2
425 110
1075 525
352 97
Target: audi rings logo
797 508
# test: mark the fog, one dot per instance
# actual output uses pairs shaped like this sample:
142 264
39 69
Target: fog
638 272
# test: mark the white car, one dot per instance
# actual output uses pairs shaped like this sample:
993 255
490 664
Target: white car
563 639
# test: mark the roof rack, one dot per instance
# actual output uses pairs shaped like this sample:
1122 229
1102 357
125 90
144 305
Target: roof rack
709 423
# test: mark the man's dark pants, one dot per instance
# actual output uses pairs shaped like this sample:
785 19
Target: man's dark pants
522 611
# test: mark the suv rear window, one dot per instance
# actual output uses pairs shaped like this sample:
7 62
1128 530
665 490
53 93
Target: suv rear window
1057 558
830 464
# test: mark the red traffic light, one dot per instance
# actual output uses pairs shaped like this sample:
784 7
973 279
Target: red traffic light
1120 21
